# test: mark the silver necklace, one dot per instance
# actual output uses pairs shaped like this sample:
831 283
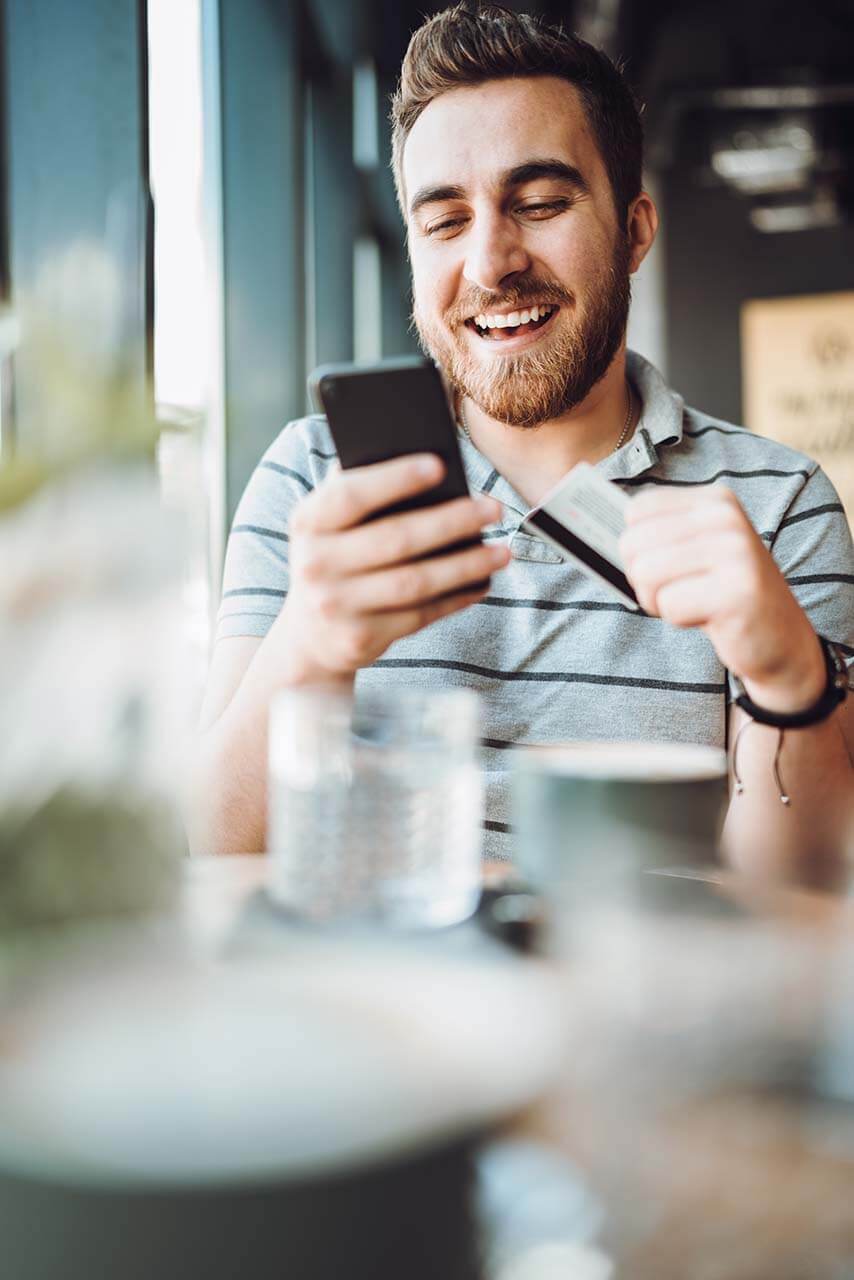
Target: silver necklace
463 425
461 420
628 422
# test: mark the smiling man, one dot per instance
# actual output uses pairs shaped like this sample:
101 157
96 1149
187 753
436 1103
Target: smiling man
517 156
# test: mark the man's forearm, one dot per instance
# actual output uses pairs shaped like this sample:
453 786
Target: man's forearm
228 801
228 807
804 840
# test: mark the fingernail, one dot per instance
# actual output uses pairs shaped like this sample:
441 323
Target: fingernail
499 554
428 465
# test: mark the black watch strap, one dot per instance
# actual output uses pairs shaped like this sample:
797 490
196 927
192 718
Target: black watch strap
835 691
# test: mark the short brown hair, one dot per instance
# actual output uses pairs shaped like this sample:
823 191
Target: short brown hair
461 46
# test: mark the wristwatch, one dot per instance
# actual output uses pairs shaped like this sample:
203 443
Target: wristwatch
834 692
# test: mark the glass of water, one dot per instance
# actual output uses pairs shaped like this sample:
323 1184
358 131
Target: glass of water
375 805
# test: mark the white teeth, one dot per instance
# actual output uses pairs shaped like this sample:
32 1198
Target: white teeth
514 318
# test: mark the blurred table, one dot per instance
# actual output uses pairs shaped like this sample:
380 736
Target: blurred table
711 1108
216 888
227 1093
714 1121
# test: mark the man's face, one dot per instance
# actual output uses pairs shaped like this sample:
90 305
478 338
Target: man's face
509 208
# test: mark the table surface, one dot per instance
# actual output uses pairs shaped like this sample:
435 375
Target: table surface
215 887
725 1179
729 1184
251 1045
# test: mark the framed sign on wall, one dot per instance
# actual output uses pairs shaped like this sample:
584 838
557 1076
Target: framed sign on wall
798 379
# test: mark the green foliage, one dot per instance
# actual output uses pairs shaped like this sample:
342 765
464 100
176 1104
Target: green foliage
83 405
84 857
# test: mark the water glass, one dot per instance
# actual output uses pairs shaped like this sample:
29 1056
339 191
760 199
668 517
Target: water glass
375 805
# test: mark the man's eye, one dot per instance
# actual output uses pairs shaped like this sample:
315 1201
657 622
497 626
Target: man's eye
447 225
547 207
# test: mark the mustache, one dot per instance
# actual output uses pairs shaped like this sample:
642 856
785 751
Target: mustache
524 292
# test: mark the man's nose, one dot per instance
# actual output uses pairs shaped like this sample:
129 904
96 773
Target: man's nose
495 251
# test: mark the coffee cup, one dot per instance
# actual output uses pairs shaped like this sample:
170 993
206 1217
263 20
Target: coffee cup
595 814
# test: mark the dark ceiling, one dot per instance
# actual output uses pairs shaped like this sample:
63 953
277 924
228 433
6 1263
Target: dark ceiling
677 54
674 44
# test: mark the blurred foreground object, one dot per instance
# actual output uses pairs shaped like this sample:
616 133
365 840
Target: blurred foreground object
704 1052
93 713
708 1087
90 715
86 402
309 1109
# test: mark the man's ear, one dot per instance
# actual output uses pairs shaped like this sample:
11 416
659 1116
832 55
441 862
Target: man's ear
642 227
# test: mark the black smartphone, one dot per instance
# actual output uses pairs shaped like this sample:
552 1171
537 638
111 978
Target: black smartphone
389 409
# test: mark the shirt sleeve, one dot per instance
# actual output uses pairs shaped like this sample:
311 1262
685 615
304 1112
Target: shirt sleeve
256 575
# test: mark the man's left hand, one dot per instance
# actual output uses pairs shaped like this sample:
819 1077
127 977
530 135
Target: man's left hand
695 560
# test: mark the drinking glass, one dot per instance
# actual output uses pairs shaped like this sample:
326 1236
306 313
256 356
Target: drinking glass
375 805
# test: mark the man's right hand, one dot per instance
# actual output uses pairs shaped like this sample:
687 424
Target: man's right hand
356 587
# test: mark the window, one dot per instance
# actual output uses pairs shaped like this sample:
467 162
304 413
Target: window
185 360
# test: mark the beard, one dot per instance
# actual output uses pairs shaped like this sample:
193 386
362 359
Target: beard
546 382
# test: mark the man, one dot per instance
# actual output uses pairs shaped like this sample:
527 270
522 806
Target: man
517 159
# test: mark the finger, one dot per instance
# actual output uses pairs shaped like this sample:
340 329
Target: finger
420 582
688 601
657 567
707 518
668 500
400 538
405 622
346 498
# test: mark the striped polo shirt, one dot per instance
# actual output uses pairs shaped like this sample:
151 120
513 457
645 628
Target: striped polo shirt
553 656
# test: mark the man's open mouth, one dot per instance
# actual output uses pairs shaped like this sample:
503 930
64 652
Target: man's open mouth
497 328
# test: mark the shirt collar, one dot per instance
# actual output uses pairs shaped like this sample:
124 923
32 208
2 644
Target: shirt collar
660 423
